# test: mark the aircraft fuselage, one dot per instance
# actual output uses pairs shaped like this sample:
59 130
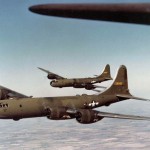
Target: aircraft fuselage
77 83
38 107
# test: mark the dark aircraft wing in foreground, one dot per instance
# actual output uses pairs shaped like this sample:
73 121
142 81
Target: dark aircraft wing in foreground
138 13
6 93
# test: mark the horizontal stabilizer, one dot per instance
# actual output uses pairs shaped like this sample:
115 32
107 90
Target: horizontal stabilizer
132 97
97 86
107 78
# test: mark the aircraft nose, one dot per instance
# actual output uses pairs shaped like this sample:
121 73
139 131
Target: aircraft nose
52 83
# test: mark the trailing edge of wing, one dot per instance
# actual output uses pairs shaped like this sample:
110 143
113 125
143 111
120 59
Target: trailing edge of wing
132 97
122 116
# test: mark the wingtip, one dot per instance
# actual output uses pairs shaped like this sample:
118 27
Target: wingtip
39 68
43 69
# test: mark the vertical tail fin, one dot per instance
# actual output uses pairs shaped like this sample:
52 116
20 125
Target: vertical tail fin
106 73
120 84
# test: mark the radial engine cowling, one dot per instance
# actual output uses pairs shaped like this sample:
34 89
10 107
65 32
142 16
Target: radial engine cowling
58 114
87 116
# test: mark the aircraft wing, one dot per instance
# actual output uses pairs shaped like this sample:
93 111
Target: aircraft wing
138 13
51 75
110 115
6 93
121 116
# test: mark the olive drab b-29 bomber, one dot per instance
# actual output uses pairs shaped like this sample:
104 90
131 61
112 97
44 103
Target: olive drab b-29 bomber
87 83
72 107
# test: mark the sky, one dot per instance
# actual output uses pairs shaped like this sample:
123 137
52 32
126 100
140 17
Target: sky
68 47
72 48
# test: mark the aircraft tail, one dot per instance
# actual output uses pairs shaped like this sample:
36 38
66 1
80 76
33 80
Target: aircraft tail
119 88
106 73
120 84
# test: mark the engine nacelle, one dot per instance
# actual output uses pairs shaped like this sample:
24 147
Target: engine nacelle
54 83
58 114
87 116
51 76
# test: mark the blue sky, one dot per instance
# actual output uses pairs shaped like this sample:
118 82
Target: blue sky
69 47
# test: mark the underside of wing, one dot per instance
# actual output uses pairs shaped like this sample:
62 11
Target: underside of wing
6 93
128 13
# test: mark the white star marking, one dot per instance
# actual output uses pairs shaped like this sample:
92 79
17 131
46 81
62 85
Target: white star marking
93 104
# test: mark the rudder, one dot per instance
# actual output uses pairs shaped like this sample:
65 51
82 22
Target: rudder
106 73
120 84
